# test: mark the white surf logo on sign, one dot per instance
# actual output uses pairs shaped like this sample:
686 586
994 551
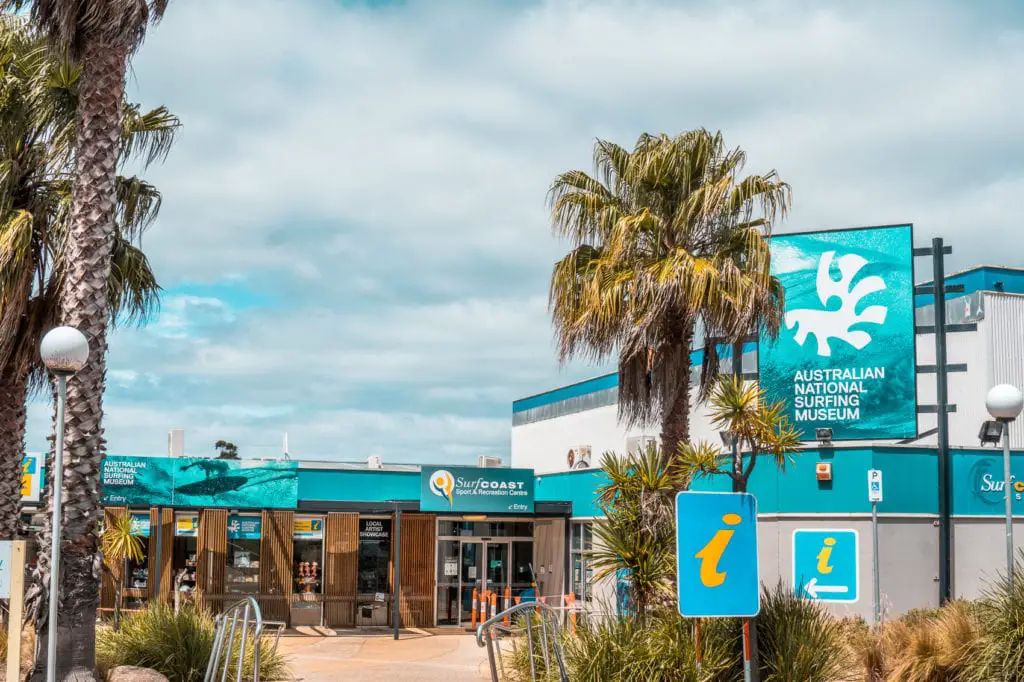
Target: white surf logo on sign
826 325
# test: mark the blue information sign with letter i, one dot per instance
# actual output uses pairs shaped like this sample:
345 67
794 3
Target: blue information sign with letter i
716 544
826 564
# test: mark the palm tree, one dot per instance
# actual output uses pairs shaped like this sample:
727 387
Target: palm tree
38 135
760 429
668 243
37 116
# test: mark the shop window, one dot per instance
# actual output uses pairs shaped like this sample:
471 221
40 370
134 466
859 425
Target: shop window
308 555
484 529
242 570
186 531
522 569
374 556
582 542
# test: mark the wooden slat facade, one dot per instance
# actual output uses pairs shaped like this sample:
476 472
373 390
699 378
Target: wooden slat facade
417 574
212 548
549 556
341 567
161 524
107 589
276 548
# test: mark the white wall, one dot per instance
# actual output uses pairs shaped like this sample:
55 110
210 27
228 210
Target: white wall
992 354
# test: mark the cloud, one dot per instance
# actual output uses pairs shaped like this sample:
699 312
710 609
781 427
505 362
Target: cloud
354 237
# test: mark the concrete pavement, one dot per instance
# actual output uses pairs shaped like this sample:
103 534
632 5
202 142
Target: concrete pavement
360 657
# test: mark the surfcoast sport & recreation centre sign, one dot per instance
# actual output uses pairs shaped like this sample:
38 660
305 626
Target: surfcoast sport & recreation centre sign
845 354
472 489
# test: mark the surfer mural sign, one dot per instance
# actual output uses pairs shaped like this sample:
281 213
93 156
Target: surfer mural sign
198 482
844 357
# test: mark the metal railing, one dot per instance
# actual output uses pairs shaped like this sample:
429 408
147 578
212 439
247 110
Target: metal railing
224 646
541 627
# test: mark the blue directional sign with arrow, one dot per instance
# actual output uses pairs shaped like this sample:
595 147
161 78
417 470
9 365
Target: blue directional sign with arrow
716 544
826 564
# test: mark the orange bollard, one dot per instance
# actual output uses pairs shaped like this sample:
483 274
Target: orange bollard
517 600
473 611
507 605
494 603
483 606
572 614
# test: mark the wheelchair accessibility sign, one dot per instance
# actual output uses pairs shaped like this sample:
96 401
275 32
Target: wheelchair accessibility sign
826 565
716 544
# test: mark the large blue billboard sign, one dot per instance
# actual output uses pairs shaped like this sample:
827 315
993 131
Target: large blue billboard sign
845 355
198 482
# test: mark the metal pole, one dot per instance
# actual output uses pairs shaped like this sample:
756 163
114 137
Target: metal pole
1008 491
396 616
942 419
55 532
158 549
748 673
874 564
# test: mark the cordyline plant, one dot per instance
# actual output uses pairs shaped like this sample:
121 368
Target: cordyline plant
120 543
759 429
637 533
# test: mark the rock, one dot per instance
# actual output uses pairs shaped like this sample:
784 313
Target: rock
130 673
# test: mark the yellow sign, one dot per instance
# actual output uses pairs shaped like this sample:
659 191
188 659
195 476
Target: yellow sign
31 477
187 526
308 527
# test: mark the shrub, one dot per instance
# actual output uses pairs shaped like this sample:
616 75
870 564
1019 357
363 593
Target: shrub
999 653
176 645
798 639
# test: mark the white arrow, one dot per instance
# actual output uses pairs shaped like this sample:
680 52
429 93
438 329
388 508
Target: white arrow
813 589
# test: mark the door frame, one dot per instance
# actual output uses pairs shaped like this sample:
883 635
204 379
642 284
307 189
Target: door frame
507 540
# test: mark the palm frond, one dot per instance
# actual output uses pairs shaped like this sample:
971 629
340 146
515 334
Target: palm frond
134 293
147 135
120 541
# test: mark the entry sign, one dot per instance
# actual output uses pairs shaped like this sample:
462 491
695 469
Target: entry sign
826 565
716 544
874 485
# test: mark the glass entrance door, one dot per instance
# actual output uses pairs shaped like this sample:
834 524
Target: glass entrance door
471 577
497 569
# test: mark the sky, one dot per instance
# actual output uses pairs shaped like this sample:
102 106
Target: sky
354 242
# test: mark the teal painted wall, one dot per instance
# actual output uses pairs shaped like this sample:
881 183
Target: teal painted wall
910 478
358 485
578 487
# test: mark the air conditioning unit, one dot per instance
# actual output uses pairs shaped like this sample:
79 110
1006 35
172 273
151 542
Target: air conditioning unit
374 462
488 461
638 444
578 457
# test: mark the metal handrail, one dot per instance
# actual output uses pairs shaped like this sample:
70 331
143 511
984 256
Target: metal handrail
247 607
550 631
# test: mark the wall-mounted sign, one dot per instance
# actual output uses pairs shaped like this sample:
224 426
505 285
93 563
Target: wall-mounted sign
31 477
198 482
845 356
375 530
470 489
244 527
186 526
308 529
140 524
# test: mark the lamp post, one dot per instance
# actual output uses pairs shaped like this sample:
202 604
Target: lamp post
1004 403
64 351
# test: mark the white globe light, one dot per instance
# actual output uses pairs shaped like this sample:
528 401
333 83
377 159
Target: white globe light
1004 402
64 350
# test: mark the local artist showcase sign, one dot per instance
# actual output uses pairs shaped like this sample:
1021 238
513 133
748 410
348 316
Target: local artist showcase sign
844 357
478 490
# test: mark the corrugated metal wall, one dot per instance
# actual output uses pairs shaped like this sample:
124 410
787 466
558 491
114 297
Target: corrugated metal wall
161 524
1004 322
276 547
418 570
341 565
212 549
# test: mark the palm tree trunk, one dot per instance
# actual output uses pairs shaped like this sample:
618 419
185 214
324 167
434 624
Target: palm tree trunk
12 452
84 306
675 399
